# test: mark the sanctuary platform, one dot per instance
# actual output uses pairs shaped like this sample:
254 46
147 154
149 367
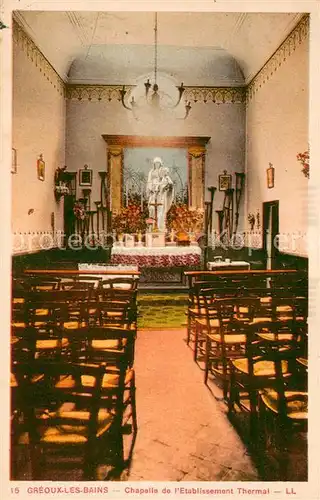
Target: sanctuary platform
159 266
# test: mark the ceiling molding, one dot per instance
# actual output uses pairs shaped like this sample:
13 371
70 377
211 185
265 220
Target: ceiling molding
36 57
216 95
95 93
299 34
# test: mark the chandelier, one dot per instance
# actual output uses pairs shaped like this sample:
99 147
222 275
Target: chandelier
154 99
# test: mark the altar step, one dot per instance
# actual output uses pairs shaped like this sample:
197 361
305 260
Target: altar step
162 287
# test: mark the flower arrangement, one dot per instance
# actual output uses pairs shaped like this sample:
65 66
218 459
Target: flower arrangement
61 189
79 211
303 158
182 219
60 180
130 220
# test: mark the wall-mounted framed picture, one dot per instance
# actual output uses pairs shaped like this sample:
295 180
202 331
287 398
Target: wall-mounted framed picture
41 166
270 176
225 181
14 161
85 176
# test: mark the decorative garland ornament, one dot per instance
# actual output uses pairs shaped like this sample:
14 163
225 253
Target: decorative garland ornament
304 158
79 211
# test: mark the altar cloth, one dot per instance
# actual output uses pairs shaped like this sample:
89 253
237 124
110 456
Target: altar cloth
157 256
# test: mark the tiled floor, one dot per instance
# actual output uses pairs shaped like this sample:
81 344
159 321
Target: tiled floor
183 434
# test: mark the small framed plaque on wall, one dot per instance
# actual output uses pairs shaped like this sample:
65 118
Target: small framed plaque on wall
270 176
41 168
85 176
225 181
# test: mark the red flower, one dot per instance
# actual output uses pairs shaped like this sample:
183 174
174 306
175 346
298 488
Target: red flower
303 158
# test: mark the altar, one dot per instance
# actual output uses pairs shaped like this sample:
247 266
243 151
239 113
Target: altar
159 265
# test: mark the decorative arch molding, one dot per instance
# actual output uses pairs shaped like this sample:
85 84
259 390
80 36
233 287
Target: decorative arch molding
196 151
107 93
298 35
34 54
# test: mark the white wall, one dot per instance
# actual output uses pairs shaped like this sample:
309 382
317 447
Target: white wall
38 127
87 121
277 129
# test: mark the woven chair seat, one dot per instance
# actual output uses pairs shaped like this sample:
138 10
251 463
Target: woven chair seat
229 338
296 403
260 368
109 380
274 336
72 432
51 344
303 361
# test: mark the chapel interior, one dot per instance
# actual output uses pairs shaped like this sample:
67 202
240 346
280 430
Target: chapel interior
159 308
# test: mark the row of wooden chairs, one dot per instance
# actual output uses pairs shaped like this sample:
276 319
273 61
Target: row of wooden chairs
273 303
255 342
73 380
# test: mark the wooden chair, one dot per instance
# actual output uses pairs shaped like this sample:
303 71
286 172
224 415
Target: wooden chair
226 334
257 369
120 290
197 313
283 413
114 348
31 342
75 421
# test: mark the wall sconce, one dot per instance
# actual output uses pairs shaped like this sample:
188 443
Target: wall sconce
270 176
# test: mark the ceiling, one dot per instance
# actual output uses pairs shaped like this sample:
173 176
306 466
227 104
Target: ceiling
205 49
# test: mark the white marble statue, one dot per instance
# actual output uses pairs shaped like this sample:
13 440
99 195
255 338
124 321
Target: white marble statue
160 192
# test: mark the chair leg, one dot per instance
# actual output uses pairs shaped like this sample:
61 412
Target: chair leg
207 360
195 352
133 406
224 373
188 330
231 390
254 423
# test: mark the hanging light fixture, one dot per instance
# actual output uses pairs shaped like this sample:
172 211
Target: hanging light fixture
154 98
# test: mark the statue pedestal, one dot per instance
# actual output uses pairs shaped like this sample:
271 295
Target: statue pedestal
155 240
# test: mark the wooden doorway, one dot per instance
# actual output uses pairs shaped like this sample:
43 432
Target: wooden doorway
270 231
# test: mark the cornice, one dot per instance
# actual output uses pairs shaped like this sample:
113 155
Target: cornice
36 57
95 92
217 95
290 44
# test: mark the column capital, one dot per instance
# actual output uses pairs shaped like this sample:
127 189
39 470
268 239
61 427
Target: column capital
115 150
197 151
